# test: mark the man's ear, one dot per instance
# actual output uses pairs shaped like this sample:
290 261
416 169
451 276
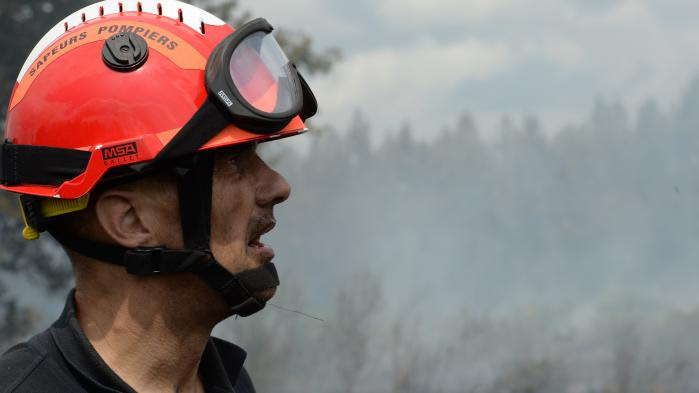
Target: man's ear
120 215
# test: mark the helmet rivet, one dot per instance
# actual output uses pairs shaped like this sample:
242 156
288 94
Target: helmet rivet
125 52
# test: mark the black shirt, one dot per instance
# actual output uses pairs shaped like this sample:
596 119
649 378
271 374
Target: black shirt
61 359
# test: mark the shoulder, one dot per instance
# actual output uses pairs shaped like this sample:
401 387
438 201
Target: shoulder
27 367
18 364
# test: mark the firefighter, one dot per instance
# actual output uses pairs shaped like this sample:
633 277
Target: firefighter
131 139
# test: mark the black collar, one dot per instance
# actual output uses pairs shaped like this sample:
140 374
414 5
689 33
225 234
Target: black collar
82 357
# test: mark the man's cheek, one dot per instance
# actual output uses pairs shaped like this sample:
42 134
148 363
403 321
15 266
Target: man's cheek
232 255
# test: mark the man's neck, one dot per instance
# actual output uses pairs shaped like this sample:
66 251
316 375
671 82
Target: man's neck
154 343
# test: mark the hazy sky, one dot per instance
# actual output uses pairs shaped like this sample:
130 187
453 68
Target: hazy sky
427 61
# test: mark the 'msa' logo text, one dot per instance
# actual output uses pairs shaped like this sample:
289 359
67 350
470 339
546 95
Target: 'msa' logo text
120 154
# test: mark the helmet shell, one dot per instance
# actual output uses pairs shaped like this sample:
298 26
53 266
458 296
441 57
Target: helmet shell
67 97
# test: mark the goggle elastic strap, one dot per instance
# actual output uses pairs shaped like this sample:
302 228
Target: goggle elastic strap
208 121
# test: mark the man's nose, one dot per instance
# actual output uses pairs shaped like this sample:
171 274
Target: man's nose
273 188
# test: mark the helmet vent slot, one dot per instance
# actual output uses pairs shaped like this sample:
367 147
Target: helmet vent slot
180 15
83 17
203 29
65 25
140 7
121 7
101 11
160 9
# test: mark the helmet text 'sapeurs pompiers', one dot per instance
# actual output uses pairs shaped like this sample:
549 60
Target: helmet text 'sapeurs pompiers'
122 87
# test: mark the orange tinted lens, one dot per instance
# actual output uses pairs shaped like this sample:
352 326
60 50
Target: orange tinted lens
262 74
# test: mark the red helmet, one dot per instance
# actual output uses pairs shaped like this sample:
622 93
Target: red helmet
69 96
120 87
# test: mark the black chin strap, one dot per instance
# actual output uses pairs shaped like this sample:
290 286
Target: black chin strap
195 183
195 187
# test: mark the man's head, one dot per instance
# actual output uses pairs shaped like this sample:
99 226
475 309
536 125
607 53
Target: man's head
142 87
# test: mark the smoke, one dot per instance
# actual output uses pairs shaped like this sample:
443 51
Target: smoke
525 263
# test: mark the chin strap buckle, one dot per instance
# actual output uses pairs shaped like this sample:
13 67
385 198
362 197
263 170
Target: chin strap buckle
143 261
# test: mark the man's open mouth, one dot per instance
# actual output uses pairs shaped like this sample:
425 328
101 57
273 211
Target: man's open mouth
256 246
256 243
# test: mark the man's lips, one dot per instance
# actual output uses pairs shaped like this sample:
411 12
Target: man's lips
264 251
256 246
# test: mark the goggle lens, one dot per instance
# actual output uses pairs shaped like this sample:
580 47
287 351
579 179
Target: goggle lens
262 74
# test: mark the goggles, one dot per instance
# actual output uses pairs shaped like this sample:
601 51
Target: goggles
250 83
